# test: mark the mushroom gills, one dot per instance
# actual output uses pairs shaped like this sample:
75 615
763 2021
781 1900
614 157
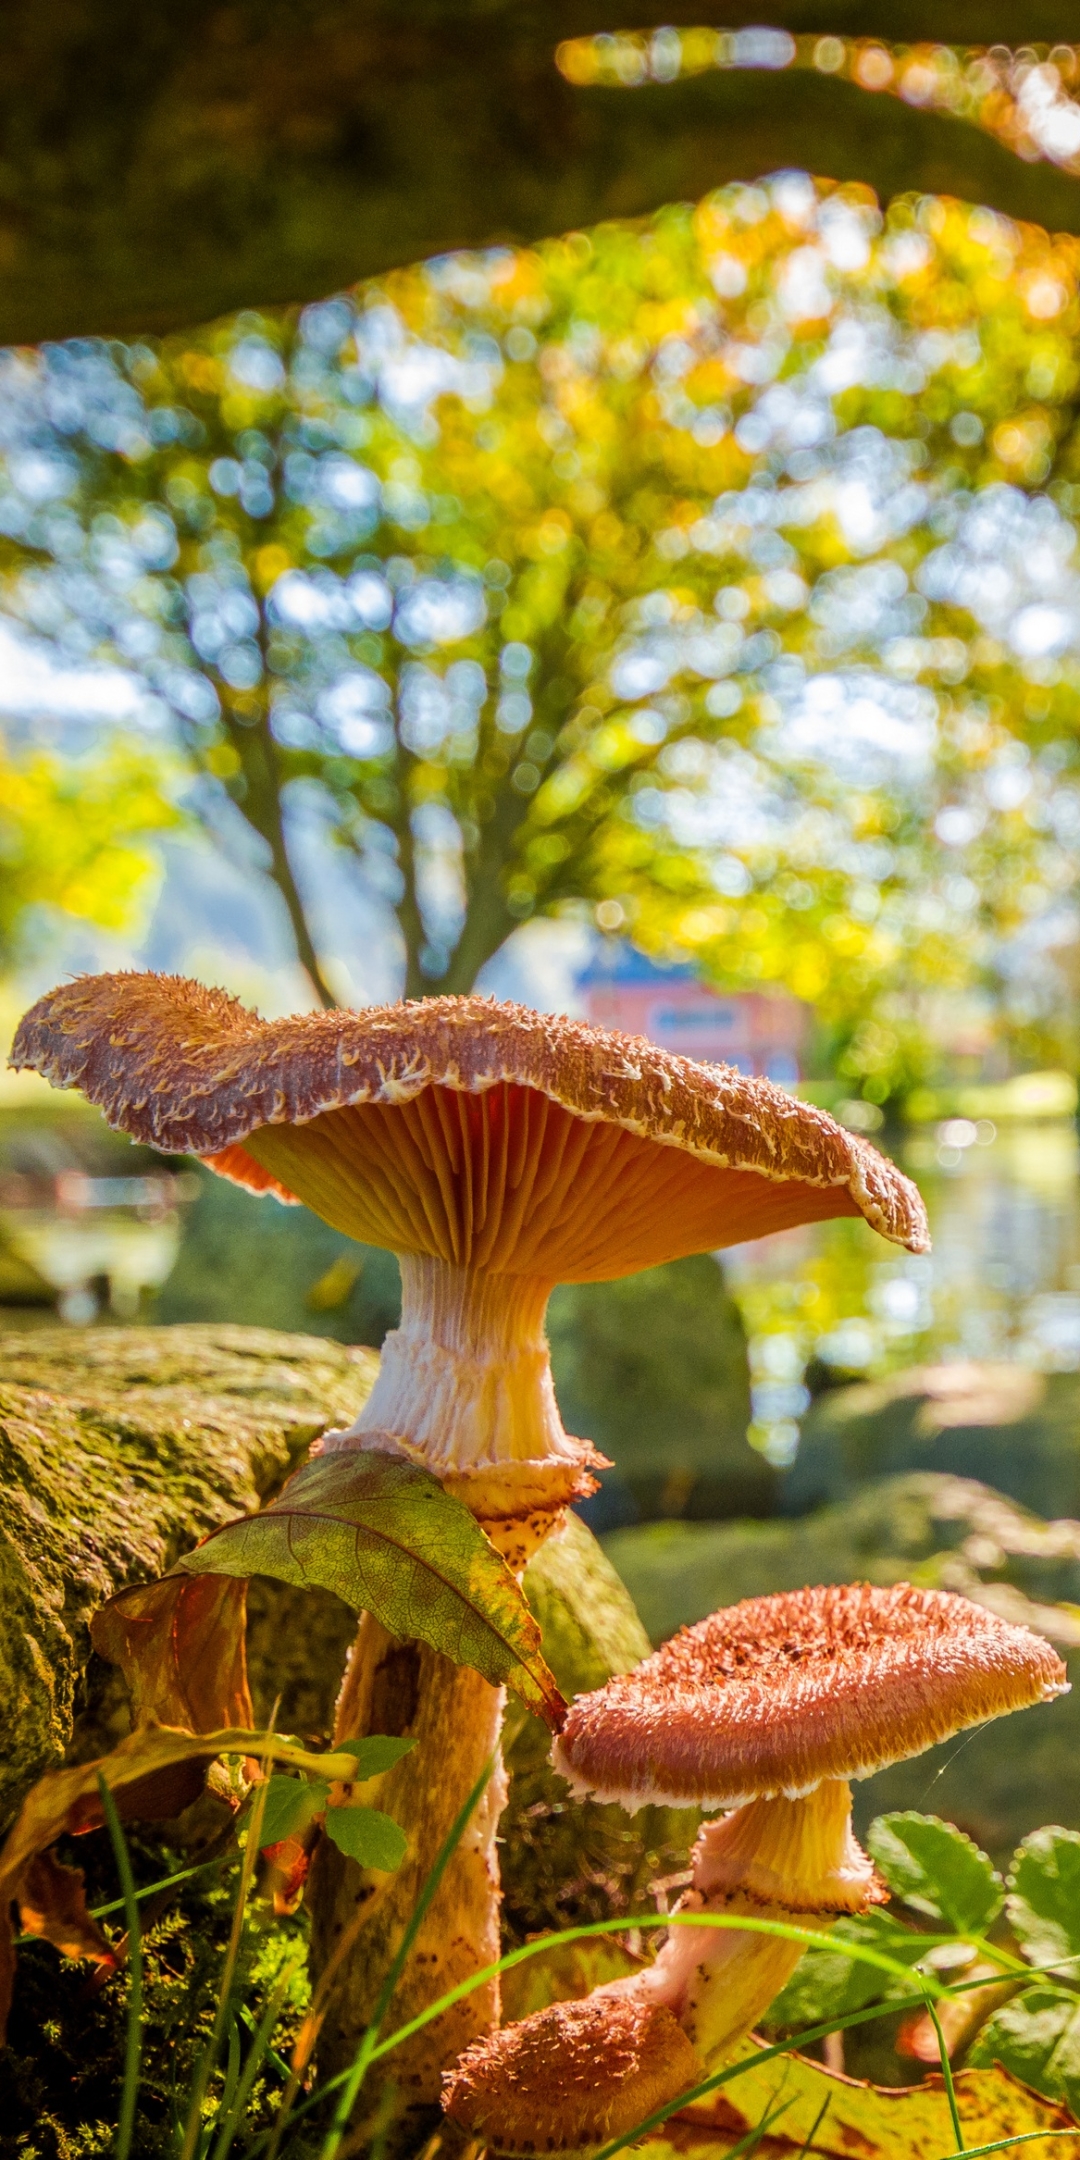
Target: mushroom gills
774 1859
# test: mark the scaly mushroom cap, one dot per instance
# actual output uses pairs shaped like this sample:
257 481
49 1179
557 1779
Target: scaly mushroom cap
483 1134
575 2074
778 1694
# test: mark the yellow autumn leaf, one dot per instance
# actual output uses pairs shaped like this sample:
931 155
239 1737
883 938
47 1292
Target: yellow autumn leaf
813 2110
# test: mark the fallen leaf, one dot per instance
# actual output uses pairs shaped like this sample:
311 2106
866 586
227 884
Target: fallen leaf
52 1904
388 1538
861 2122
180 1646
138 1774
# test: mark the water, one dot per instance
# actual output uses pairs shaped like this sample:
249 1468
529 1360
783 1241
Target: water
1002 1284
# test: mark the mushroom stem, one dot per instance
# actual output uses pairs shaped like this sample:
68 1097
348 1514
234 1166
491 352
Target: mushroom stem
775 1859
465 1381
454 1716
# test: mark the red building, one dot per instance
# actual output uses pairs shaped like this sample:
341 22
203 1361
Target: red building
758 1032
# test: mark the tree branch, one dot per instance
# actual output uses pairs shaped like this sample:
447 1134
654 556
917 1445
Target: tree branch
261 807
165 164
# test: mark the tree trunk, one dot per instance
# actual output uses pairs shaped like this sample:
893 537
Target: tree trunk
455 1716
262 810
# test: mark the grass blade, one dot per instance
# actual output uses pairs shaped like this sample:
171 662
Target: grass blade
1027 2137
259 2049
815 2127
588 1929
133 2044
365 2053
193 2126
946 2072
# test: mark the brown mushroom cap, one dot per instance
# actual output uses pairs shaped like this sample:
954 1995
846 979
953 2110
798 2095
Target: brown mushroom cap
483 1134
777 1694
575 2074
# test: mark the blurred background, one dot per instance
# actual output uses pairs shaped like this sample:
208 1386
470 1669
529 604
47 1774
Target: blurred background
675 624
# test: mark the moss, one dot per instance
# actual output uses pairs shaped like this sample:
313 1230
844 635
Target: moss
119 1449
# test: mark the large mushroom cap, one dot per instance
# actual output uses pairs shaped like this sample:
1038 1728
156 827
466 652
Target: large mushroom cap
575 2074
778 1694
483 1134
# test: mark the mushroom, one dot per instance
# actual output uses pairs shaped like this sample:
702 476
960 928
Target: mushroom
766 1709
571 2076
497 1151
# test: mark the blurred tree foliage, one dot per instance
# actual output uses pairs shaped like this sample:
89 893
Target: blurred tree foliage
716 574
74 834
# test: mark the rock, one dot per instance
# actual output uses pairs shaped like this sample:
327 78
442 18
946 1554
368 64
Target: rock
654 1370
254 1261
1015 1429
119 1449
998 1782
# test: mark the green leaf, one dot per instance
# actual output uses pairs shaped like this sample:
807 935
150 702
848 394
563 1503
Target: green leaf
937 1870
364 1834
374 1754
1037 2037
826 1984
1044 1897
387 1538
289 1806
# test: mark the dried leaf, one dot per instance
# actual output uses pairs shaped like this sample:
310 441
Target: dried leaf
390 1540
145 1767
287 1865
180 1646
861 2122
52 1904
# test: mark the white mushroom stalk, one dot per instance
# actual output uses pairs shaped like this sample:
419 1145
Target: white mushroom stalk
465 1380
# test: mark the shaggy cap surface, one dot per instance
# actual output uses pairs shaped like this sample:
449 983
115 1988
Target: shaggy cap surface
575 2074
484 1133
777 1694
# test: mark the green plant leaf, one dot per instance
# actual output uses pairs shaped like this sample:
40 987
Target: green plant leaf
374 1754
363 1833
1037 2037
1044 1897
390 1540
826 1984
937 1870
289 1807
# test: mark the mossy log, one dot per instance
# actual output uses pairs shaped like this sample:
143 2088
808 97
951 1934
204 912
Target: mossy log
119 1449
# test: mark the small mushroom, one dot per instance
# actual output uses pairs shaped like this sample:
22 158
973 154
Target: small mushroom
497 1151
767 1709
